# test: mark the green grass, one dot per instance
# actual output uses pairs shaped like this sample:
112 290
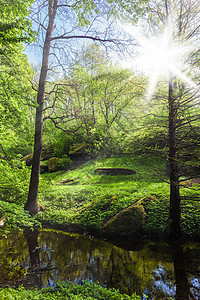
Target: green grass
85 198
82 197
147 168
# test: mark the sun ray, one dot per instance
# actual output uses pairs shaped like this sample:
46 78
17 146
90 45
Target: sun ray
179 74
152 84
161 55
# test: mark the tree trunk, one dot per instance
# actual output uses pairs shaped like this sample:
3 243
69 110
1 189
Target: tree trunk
182 284
174 210
32 204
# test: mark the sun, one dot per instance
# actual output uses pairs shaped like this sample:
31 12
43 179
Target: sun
156 54
162 55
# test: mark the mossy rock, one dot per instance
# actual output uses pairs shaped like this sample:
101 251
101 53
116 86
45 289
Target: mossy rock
126 222
79 151
43 167
28 159
54 164
78 148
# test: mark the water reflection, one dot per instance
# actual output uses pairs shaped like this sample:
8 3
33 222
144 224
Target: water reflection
33 276
157 269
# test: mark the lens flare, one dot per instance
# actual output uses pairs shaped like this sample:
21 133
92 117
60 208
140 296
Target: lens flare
161 55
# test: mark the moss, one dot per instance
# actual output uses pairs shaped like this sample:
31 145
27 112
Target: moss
43 167
127 222
78 148
54 164
28 159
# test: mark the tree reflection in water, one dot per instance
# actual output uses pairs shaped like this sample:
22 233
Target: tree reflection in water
158 269
33 277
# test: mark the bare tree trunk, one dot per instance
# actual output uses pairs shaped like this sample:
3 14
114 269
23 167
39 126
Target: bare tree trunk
174 210
32 204
182 284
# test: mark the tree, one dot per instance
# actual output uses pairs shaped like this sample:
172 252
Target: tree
63 24
15 95
15 27
180 20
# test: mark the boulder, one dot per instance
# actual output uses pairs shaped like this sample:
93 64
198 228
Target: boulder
43 167
54 164
79 151
28 159
127 222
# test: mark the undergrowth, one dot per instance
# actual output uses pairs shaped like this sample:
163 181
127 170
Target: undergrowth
14 217
66 290
84 198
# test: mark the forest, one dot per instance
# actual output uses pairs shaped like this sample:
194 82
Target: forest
99 129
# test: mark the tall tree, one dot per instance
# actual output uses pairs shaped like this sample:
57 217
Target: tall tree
62 24
178 21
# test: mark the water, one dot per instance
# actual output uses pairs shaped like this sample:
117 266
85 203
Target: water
154 268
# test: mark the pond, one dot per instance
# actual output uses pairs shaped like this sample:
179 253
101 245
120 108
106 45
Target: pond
155 268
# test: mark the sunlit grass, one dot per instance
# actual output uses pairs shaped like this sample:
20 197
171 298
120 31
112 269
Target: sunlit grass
82 197
71 193
147 168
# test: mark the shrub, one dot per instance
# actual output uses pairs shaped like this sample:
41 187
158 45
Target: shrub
65 163
66 290
15 218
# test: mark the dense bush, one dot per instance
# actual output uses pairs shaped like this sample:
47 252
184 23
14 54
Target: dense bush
14 179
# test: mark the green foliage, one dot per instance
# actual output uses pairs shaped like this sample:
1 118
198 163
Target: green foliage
99 211
190 211
98 96
82 197
56 140
14 178
120 9
15 218
15 27
55 163
66 290
15 130
65 163
157 215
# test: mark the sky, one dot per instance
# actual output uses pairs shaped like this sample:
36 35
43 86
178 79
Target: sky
134 63
154 57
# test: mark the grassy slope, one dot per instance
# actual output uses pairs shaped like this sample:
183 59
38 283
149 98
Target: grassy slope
81 197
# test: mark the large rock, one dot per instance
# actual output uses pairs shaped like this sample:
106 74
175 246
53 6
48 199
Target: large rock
28 159
54 164
79 151
127 222
43 167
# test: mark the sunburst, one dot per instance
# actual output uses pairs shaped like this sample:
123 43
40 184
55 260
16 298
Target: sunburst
161 55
